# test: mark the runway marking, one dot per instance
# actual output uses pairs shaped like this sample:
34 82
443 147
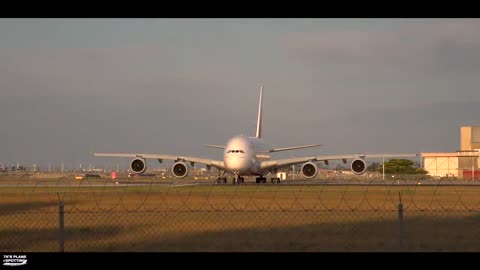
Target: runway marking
183 185
75 186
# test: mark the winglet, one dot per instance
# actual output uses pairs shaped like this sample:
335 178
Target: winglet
259 119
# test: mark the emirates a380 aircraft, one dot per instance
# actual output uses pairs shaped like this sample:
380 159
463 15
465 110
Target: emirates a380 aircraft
248 156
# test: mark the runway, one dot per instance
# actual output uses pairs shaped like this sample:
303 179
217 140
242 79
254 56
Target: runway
96 185
187 183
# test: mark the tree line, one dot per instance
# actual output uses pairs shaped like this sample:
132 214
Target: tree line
397 166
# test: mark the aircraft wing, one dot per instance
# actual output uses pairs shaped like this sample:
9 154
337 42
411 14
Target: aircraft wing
209 162
293 161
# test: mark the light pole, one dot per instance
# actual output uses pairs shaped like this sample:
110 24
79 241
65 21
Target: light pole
293 172
473 167
383 168
473 175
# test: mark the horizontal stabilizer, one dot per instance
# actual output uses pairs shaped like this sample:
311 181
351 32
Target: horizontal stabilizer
294 147
215 146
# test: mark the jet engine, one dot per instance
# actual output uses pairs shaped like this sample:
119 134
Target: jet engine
180 169
358 166
309 170
138 165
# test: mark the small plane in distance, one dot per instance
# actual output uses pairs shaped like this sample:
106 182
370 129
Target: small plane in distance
248 156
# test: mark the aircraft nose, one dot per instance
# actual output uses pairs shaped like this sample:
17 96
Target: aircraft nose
237 163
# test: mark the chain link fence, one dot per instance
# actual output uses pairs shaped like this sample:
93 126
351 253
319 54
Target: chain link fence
209 217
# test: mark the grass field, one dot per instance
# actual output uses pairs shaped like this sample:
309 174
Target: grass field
241 218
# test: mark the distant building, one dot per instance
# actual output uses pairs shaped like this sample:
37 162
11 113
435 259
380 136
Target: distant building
469 138
457 164
463 163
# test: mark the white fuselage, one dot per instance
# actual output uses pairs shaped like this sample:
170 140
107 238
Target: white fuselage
242 155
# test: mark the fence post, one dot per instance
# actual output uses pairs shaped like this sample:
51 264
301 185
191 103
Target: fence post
400 221
61 238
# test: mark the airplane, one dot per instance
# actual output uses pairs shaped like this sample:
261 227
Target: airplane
248 156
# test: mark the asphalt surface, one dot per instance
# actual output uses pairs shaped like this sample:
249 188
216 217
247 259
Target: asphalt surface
189 182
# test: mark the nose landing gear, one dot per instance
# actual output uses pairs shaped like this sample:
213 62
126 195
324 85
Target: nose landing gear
237 179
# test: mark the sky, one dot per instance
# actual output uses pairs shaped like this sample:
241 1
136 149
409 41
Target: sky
69 87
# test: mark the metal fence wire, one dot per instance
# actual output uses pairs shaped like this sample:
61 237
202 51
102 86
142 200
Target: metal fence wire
298 217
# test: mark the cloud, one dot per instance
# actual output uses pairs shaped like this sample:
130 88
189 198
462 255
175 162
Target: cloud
127 70
445 45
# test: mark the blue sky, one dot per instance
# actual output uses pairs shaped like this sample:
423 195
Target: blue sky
72 86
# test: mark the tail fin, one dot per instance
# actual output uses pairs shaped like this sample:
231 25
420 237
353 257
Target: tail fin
259 119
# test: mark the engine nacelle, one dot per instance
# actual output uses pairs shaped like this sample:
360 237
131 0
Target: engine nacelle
358 166
138 165
180 169
309 170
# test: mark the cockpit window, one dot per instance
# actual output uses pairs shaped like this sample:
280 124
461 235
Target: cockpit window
235 151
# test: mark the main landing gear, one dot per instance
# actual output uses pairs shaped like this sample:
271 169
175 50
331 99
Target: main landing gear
235 180
260 180
264 180
222 180
275 180
241 180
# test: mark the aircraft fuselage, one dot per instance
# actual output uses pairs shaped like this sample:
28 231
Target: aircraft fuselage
243 154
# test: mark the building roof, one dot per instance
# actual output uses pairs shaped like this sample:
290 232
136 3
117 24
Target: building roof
450 154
